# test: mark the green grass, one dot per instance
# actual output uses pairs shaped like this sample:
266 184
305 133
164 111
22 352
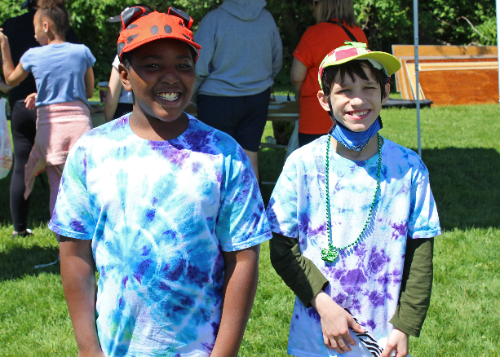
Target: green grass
462 151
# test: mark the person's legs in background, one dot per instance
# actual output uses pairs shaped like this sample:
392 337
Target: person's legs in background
254 160
305 139
244 118
249 131
54 174
23 124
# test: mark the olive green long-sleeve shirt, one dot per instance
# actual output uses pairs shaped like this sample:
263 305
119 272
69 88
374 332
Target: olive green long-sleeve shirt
306 280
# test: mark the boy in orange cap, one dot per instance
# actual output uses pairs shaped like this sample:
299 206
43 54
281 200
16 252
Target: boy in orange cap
354 220
167 208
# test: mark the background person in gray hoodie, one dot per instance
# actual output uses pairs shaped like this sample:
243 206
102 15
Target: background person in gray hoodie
241 54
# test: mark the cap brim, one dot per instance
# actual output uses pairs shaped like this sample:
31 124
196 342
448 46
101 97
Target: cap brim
116 18
390 63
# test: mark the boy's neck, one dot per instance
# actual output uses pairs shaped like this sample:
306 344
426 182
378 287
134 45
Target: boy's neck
369 150
156 130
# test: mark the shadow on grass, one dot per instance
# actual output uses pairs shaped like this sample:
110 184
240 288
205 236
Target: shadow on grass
466 186
18 262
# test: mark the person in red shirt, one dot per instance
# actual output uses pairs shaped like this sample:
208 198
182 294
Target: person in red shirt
336 24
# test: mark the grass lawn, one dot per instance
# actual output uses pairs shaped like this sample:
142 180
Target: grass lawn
461 148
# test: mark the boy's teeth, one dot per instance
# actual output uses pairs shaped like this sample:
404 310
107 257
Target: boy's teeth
168 96
360 113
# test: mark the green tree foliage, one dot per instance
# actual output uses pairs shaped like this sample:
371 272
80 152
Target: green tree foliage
441 22
385 22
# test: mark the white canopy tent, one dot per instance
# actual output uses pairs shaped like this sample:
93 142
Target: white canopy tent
415 30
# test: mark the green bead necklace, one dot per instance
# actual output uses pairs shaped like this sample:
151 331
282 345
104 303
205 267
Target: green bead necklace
331 253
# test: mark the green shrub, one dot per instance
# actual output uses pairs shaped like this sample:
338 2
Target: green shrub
385 22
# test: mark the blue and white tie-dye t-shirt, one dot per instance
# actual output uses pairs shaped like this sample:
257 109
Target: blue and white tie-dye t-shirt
159 215
366 278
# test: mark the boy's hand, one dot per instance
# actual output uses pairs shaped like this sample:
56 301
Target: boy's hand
396 342
335 323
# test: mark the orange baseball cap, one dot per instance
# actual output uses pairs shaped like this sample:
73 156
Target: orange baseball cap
140 25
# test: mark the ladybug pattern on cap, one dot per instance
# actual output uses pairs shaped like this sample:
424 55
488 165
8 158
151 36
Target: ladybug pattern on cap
140 26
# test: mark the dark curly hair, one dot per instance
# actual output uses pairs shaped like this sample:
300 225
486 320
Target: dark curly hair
351 69
56 11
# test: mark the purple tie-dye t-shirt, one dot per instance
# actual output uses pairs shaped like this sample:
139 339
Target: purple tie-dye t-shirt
159 215
366 278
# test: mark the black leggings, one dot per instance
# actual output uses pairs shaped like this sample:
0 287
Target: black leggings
23 124
305 139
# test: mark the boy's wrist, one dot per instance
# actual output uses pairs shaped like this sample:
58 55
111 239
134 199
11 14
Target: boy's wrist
94 350
322 302
399 325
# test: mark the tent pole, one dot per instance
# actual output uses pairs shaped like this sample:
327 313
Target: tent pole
498 47
417 90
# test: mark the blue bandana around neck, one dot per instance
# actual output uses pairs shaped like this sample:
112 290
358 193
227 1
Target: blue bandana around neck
353 140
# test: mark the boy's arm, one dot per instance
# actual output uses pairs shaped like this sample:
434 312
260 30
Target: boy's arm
307 282
298 272
415 295
240 284
416 286
78 280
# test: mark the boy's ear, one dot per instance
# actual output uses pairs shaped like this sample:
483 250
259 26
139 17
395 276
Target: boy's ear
323 101
124 77
387 91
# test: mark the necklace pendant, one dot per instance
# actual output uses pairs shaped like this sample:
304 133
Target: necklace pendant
329 254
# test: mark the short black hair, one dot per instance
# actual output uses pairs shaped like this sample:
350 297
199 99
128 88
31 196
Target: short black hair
127 57
352 68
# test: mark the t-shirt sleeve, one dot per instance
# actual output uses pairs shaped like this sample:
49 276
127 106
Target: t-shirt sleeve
72 216
304 52
90 57
27 60
241 222
424 219
282 210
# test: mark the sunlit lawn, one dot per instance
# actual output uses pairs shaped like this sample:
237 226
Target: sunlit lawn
462 151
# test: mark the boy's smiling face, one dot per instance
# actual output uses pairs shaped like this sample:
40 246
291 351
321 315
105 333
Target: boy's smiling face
356 104
162 76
